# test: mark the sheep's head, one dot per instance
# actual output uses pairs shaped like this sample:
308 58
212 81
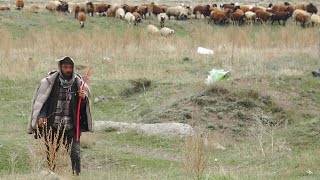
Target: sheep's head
63 6
81 24
171 31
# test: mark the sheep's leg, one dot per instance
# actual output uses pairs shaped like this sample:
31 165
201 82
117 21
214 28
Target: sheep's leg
272 22
284 23
279 22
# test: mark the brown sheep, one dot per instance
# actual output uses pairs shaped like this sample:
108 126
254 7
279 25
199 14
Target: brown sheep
237 17
219 15
143 10
232 7
281 8
255 9
90 8
19 4
280 16
245 8
63 6
204 10
76 11
109 12
129 8
101 8
263 15
4 8
156 9
35 8
164 8
302 18
300 6
82 18
137 18
310 8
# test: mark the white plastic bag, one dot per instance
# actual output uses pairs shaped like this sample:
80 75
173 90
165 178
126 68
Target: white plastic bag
202 50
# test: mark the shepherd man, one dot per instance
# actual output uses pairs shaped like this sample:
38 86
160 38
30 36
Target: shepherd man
55 107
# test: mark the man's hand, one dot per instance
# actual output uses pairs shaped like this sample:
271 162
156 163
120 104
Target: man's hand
42 122
82 94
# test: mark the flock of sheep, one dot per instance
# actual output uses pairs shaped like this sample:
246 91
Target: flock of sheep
305 14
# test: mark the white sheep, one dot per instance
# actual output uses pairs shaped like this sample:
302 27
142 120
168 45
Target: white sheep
120 13
178 11
152 29
129 17
250 16
162 17
53 5
72 6
315 19
166 31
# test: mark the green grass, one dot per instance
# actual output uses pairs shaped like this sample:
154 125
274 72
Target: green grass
177 73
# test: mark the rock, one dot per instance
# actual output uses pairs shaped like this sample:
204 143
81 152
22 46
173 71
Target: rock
100 99
133 107
160 129
309 172
220 115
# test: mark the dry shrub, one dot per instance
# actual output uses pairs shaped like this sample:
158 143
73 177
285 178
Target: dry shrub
52 151
195 156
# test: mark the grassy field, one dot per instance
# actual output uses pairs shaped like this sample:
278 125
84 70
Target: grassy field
272 61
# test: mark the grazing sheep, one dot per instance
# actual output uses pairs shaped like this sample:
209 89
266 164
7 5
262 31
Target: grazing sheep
162 17
137 18
72 7
101 8
156 9
143 10
4 8
34 8
19 4
82 18
129 18
245 8
87 7
166 31
315 19
297 11
238 17
303 19
202 10
300 6
231 7
129 8
178 12
219 15
189 11
255 9
120 13
76 11
152 29
63 6
110 13
280 16
263 15
250 17
310 8
53 5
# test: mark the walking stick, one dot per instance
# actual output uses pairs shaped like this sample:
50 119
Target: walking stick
79 105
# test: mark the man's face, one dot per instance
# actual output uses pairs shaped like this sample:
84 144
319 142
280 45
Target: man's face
67 70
